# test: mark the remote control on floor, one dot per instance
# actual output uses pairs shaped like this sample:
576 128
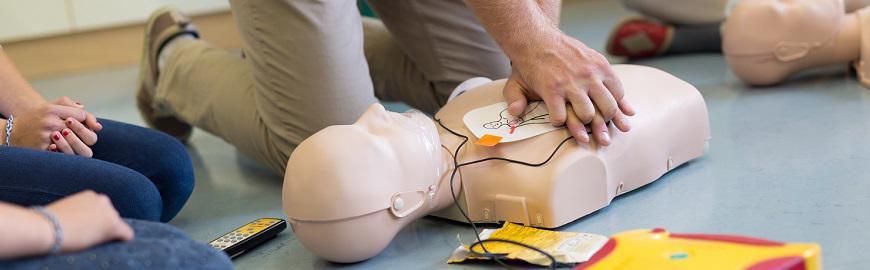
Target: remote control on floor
238 241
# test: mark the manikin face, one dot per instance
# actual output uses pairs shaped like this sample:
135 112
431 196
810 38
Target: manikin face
365 164
412 135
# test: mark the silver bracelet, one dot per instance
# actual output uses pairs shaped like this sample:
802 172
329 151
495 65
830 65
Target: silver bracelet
58 234
9 123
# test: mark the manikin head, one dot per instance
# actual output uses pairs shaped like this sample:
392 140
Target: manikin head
777 33
344 181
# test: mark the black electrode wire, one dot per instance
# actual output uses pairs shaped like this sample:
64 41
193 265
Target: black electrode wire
457 165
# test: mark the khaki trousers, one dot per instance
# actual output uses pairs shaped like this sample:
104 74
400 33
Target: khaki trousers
311 64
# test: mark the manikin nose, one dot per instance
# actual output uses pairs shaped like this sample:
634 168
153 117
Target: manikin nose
376 112
377 109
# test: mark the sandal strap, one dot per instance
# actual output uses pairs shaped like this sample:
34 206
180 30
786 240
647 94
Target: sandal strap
170 25
169 38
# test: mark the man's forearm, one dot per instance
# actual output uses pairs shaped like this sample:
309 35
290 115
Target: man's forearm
16 94
519 25
552 9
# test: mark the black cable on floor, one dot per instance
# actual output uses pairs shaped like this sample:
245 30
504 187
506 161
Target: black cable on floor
456 165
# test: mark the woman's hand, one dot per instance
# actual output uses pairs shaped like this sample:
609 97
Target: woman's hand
61 126
68 140
90 120
77 138
88 219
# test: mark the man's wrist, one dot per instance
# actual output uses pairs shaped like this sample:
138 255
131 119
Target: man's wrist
535 48
519 27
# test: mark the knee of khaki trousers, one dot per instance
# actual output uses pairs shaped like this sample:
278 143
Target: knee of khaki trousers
444 41
307 62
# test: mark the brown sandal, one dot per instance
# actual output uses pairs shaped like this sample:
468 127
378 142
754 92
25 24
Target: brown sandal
164 24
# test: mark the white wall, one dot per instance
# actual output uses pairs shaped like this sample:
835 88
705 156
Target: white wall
25 19
93 14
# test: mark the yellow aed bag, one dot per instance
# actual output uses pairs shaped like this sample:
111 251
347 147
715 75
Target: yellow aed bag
566 247
660 249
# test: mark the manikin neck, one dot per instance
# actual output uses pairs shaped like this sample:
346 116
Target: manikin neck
845 47
449 143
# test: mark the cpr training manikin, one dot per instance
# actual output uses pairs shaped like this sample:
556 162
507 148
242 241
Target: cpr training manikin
349 189
766 41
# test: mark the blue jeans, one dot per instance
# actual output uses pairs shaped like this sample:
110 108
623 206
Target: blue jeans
154 246
147 174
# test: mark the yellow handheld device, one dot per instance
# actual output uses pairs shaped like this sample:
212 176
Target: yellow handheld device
659 249
248 236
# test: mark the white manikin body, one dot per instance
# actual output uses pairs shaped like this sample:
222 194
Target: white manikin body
349 189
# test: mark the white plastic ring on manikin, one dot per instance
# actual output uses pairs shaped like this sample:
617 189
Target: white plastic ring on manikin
398 204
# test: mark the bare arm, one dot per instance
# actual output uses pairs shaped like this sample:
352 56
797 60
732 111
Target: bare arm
86 219
24 232
552 9
576 82
38 120
515 25
16 95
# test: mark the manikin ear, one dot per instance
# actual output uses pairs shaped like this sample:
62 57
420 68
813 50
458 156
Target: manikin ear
789 51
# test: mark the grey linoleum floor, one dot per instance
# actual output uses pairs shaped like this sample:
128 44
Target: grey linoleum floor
788 162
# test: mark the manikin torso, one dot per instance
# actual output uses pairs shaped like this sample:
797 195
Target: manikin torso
765 41
341 214
548 196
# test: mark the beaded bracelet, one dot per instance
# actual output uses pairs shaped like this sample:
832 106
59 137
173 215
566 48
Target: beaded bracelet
9 124
58 234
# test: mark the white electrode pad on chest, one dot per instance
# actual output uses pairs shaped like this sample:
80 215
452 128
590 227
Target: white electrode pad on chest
495 120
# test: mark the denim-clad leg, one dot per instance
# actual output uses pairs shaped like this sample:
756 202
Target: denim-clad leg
155 246
157 156
147 174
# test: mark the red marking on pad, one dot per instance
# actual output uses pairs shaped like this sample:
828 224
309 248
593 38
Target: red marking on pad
513 124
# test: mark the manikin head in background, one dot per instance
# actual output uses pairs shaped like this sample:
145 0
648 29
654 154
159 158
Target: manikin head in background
764 41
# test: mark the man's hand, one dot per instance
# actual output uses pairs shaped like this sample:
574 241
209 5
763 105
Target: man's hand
553 67
566 71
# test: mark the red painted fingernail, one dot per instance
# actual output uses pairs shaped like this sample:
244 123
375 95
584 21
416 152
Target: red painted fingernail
78 104
66 133
69 122
56 137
